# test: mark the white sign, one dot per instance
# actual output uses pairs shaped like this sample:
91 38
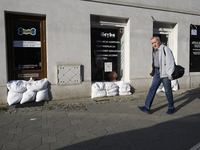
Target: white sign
27 43
108 66
193 32
28 75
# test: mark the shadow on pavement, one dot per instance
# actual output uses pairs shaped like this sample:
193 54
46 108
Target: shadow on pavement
178 134
187 96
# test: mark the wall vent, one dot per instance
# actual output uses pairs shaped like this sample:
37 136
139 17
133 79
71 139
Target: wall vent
69 74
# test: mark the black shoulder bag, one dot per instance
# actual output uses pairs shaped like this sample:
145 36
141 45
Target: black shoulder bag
178 71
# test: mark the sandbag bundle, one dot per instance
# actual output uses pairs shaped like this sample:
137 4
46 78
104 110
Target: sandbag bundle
102 89
112 89
124 88
27 91
174 86
41 89
16 89
98 89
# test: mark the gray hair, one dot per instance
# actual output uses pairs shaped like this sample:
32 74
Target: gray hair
156 38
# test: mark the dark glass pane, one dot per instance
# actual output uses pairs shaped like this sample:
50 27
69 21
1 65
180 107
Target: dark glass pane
194 48
105 51
27 45
27 58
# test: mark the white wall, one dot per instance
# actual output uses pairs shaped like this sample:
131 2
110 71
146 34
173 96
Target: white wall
68 38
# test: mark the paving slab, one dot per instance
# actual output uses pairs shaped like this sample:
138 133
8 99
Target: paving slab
104 123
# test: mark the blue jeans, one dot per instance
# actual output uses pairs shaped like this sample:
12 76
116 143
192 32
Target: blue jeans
154 86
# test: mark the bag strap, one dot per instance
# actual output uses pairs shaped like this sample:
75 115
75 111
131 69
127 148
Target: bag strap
164 51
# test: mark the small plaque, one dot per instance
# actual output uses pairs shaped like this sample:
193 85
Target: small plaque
28 75
108 66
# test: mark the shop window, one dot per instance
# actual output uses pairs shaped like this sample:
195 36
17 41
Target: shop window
26 47
107 49
194 48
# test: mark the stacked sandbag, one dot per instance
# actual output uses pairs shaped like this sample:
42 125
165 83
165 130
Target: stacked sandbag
112 89
124 88
174 86
40 87
98 89
16 89
160 88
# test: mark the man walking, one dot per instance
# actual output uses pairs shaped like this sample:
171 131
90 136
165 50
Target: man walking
163 67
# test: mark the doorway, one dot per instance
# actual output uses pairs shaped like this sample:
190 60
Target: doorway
26 47
165 36
107 52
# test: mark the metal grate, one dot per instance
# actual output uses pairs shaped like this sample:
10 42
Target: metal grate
69 74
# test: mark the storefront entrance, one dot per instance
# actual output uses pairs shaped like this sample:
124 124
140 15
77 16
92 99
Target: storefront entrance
107 53
26 47
165 37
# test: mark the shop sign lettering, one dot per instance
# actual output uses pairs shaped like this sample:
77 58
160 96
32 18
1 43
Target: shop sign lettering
22 31
107 35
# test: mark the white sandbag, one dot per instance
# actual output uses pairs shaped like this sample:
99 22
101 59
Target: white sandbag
125 93
42 95
124 88
14 97
100 93
114 93
37 85
113 89
18 86
160 88
97 86
98 89
110 86
175 85
28 96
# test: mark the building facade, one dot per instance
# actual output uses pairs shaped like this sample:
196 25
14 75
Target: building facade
73 43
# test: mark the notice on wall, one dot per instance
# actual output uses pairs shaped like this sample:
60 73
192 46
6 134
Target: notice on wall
108 66
28 75
195 45
194 48
26 43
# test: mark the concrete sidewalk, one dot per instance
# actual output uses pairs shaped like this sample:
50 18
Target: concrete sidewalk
104 124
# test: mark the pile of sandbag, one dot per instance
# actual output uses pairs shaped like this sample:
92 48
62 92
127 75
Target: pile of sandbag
16 89
174 86
27 91
124 88
102 89
112 89
98 89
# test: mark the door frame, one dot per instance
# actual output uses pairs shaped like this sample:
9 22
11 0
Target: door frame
10 48
165 31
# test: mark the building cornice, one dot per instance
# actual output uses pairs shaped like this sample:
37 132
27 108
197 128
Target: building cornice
144 6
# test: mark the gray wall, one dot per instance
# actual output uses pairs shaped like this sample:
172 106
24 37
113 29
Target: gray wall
68 37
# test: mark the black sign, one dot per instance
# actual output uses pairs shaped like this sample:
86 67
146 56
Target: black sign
194 48
106 52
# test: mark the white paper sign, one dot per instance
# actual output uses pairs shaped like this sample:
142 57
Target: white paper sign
108 66
27 43
193 32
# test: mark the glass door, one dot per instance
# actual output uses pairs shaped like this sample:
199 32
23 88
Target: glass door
165 36
26 47
107 53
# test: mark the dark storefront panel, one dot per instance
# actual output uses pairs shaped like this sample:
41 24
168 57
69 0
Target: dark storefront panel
194 48
106 52
26 43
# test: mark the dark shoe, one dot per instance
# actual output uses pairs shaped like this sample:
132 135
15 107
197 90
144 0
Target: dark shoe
144 109
170 111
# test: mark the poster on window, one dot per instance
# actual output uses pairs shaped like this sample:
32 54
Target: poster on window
105 51
194 48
